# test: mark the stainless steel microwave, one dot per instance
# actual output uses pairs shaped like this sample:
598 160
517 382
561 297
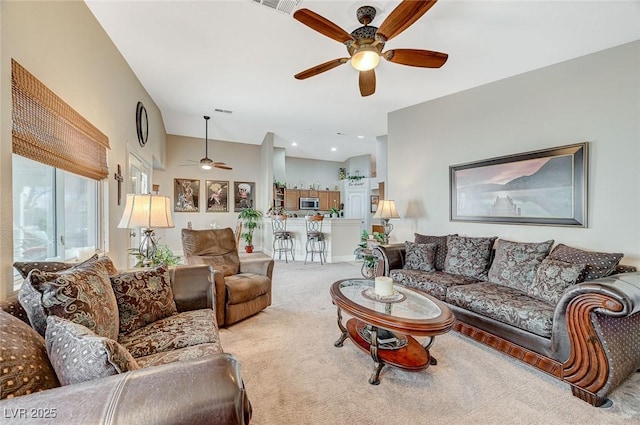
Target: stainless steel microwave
309 203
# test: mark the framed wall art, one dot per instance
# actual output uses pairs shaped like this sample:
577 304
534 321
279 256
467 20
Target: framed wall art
186 194
374 203
547 187
243 195
217 196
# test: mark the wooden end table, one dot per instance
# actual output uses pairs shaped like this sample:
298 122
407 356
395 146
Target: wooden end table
385 326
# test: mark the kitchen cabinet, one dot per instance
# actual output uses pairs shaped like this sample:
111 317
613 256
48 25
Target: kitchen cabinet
334 199
323 195
292 199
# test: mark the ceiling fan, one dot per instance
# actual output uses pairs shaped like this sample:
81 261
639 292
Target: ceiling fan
207 163
365 44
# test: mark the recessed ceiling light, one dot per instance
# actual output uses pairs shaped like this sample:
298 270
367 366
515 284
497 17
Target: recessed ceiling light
294 144
360 137
333 149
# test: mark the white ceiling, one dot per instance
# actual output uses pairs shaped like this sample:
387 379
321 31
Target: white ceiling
195 56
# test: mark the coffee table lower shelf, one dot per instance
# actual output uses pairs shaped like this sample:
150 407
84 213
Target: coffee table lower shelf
411 357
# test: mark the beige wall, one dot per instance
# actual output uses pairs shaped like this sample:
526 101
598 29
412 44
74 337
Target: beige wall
63 45
595 98
245 160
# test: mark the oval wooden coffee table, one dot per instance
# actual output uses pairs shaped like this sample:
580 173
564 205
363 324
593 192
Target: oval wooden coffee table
385 326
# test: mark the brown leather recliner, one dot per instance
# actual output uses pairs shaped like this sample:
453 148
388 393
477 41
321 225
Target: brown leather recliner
243 288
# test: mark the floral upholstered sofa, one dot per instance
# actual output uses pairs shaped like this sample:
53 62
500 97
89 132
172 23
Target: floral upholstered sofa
572 313
83 343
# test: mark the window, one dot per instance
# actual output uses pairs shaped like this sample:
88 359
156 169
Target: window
55 213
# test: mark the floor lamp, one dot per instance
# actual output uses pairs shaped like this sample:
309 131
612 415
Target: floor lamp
386 211
147 212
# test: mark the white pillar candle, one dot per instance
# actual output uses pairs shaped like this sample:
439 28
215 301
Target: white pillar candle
384 286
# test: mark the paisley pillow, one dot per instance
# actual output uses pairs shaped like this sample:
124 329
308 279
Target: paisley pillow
441 247
553 278
469 256
143 296
420 256
81 294
515 263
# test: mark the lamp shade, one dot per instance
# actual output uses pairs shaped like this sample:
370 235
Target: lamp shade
146 211
386 209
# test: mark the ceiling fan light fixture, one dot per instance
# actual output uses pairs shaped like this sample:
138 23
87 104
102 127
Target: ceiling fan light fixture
366 58
205 163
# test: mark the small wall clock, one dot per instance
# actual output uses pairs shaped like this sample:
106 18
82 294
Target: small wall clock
142 124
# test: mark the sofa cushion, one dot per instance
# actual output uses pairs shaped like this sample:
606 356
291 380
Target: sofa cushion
515 263
433 283
24 364
217 246
244 287
181 330
506 305
179 355
441 247
143 296
81 294
419 256
469 256
78 354
552 278
598 264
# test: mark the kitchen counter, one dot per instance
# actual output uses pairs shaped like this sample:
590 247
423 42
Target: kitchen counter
342 236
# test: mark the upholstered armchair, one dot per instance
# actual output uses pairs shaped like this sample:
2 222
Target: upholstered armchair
243 287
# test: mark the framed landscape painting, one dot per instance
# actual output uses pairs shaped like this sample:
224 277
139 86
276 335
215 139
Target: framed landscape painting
547 187
186 194
217 196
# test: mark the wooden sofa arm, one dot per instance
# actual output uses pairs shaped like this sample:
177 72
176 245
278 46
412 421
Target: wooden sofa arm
594 335
211 392
392 256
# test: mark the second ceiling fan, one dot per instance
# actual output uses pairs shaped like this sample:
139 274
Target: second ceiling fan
365 43
207 163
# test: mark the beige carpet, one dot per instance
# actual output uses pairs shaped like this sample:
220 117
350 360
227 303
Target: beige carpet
295 375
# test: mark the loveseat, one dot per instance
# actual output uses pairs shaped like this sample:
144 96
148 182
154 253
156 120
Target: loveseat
137 347
572 313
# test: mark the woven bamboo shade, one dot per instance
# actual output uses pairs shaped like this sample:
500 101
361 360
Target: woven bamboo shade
47 130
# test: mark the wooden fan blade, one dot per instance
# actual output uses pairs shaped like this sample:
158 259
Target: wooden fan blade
318 69
402 17
416 57
222 166
367 82
219 163
322 25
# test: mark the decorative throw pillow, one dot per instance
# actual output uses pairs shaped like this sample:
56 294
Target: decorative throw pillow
79 355
441 247
24 365
419 256
143 297
468 256
55 266
515 263
31 299
82 294
553 277
598 264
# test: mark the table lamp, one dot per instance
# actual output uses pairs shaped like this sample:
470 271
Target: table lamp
147 212
386 211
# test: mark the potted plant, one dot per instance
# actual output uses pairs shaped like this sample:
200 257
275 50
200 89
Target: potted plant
335 212
162 255
250 220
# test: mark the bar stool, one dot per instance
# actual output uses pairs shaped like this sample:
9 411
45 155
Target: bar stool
315 238
282 238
